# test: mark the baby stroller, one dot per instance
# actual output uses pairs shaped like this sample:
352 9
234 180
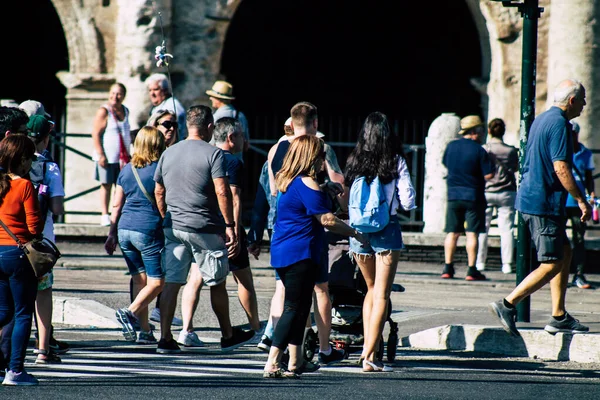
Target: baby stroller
347 289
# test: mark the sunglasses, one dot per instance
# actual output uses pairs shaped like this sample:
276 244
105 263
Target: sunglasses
169 124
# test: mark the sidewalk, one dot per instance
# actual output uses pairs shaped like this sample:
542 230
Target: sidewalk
94 285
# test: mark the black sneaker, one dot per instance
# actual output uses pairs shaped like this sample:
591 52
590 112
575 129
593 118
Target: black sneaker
448 272
306 368
507 317
168 347
333 357
567 325
56 346
265 343
238 338
475 276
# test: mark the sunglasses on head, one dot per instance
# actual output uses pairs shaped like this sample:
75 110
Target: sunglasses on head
169 124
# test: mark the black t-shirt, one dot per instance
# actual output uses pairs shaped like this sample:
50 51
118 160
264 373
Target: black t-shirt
235 168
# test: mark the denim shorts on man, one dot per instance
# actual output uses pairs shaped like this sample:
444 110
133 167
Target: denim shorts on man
208 250
459 211
142 253
390 238
548 234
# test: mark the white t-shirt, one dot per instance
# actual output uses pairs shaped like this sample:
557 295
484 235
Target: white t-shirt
53 180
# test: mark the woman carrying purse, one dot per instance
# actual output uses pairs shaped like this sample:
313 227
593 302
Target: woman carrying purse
19 211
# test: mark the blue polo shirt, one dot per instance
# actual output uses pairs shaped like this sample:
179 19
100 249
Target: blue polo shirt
297 234
467 163
550 139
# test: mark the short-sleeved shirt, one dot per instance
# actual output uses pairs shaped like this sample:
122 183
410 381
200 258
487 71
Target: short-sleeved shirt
187 170
467 163
235 168
297 234
583 160
550 139
52 179
138 213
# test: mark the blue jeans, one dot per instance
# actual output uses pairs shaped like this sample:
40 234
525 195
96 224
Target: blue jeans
142 253
18 289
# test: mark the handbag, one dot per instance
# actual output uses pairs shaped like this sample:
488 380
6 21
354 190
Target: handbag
41 252
124 157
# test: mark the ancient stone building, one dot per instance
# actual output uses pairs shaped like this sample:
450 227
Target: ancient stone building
461 56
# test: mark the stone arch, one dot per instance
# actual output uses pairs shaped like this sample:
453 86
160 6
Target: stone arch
83 37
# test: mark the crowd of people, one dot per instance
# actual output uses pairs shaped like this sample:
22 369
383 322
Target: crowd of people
181 224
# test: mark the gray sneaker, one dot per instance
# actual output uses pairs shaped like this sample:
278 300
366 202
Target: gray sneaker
507 317
127 321
19 379
567 325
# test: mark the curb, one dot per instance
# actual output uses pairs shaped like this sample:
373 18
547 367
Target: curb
78 312
533 343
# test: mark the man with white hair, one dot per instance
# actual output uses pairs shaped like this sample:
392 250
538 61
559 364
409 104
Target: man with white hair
161 97
546 178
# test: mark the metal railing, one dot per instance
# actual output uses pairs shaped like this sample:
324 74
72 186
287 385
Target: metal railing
415 155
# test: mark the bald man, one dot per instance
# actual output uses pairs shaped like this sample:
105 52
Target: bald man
546 180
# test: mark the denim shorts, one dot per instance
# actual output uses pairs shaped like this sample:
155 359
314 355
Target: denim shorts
142 253
390 238
208 250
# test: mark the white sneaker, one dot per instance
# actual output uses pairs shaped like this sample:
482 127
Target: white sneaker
480 267
189 339
105 220
507 268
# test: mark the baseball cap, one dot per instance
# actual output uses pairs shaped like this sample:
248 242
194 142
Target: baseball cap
33 107
39 126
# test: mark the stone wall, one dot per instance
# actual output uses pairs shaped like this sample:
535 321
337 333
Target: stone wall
115 40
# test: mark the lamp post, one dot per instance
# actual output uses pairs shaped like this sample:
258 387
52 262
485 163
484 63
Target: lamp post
531 12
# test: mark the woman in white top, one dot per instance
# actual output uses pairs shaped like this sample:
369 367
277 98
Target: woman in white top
112 139
379 153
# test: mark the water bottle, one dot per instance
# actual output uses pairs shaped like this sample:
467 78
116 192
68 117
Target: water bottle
595 217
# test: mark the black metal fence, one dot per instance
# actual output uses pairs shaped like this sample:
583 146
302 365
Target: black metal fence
340 133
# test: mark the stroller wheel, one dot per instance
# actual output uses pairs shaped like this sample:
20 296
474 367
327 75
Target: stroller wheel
311 343
380 349
392 345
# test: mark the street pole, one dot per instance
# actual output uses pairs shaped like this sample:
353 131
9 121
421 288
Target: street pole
531 12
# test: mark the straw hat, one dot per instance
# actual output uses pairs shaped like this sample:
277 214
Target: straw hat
469 122
221 90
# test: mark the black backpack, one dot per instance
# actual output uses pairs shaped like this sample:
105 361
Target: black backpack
36 176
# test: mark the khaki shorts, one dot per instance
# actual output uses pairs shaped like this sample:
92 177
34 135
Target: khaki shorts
205 249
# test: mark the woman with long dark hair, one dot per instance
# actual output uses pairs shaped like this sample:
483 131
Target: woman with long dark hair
379 154
19 211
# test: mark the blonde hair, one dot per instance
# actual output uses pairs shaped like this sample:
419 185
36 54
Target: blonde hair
300 159
148 146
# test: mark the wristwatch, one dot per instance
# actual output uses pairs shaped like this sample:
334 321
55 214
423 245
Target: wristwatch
231 225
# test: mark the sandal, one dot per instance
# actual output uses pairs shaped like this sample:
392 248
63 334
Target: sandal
47 357
280 374
377 366
306 367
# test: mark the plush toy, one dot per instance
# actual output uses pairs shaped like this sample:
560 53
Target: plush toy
161 57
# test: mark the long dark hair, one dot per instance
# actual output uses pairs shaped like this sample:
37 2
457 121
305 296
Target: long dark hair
13 149
376 152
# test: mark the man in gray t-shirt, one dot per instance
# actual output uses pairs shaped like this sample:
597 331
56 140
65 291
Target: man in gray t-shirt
193 196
